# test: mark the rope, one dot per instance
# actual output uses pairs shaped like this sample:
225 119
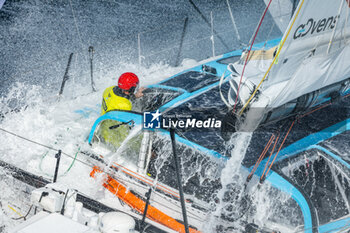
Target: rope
45 146
51 148
262 155
13 209
267 145
274 59
29 140
25 216
76 25
279 149
308 113
273 149
250 49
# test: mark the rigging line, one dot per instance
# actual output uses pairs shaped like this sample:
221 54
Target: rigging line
233 21
65 173
29 140
250 49
76 25
273 149
46 146
262 155
274 59
279 149
268 36
51 148
319 108
208 23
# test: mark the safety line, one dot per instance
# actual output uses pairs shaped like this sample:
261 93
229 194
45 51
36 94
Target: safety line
48 147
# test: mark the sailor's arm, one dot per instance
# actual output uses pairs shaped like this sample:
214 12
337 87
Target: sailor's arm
139 92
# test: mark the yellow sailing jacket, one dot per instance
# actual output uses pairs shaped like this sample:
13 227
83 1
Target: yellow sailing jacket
111 101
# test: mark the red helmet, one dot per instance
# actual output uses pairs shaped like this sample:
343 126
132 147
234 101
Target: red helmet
128 82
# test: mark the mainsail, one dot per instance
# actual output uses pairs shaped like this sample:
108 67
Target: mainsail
316 52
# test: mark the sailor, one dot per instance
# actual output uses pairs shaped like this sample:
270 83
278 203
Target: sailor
118 97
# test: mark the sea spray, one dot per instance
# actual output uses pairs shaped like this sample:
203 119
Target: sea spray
33 112
231 198
231 180
133 132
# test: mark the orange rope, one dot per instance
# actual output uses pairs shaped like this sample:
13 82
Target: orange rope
262 155
322 106
273 149
279 149
290 128
308 113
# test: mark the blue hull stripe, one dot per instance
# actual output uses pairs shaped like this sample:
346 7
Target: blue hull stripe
336 226
278 182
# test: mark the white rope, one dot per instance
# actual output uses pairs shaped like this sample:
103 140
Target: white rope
233 20
76 25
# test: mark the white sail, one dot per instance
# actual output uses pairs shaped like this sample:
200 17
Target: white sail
2 3
315 53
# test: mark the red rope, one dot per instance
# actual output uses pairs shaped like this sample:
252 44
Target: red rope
246 60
